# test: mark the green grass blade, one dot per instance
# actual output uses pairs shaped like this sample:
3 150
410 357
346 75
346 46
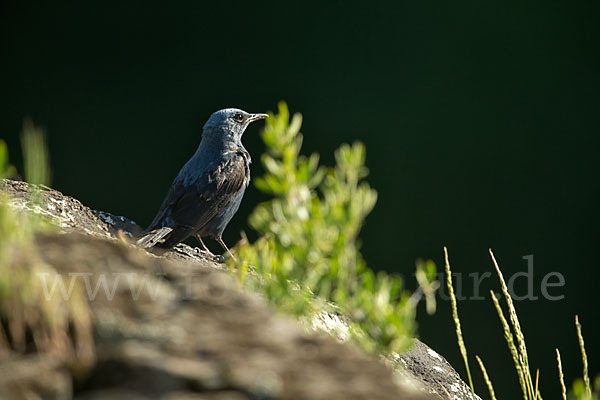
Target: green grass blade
586 377
537 380
561 377
459 336
511 344
488 382
35 154
512 312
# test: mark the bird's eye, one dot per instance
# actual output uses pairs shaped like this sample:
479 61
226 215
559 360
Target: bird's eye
238 117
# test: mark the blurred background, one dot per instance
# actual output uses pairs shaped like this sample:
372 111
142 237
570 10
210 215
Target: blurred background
481 121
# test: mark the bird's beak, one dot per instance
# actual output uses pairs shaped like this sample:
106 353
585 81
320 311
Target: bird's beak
256 117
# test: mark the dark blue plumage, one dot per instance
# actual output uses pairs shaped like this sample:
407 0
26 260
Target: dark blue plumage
209 188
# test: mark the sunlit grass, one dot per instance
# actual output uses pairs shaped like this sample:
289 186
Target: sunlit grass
56 326
529 386
530 390
488 382
36 159
454 306
561 377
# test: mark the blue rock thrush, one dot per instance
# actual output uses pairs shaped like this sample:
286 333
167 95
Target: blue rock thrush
209 188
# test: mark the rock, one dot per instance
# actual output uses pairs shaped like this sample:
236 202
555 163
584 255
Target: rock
66 211
420 367
176 327
72 216
33 377
432 372
166 328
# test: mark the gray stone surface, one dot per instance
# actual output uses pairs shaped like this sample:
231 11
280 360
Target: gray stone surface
177 327
433 374
72 216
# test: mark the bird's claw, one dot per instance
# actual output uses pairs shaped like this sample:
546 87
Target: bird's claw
210 256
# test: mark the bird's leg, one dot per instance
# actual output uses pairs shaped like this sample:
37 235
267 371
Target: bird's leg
199 239
204 248
224 246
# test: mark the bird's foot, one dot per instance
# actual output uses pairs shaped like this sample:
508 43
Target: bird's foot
209 256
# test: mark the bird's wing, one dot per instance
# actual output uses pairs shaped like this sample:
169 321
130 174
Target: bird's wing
162 216
196 203
153 237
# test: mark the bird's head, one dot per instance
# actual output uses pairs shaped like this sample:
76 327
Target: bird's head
231 122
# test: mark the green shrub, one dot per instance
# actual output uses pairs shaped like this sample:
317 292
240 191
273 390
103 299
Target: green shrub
307 258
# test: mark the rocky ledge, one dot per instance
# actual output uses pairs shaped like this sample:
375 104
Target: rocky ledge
179 327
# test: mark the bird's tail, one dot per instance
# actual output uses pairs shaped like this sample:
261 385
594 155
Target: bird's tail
154 237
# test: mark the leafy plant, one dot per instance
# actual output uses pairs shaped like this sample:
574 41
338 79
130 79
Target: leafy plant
307 258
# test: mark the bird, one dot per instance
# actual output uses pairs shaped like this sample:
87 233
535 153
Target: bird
208 190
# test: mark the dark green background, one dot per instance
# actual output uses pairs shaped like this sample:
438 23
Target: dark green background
481 121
